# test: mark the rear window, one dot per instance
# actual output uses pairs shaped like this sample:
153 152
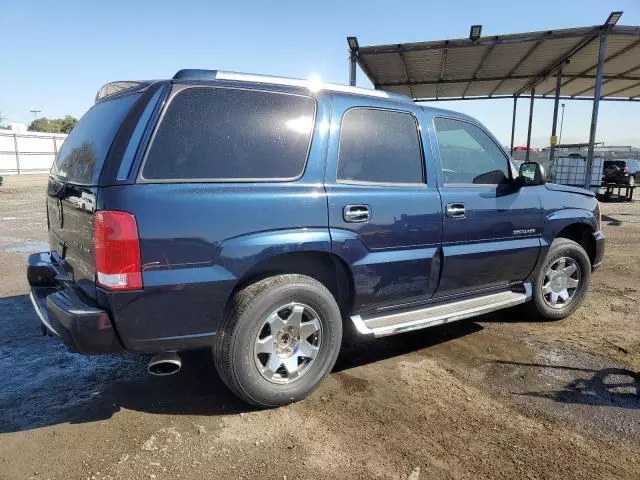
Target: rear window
82 155
228 134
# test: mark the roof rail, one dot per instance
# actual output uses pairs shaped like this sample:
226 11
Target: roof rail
311 84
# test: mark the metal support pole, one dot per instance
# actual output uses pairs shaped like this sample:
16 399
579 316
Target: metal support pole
15 145
533 97
55 146
554 124
561 124
352 69
513 122
594 112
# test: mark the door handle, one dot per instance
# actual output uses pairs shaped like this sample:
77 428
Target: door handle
456 210
357 213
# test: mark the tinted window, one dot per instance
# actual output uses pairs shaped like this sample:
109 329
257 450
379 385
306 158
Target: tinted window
468 155
380 146
232 134
82 154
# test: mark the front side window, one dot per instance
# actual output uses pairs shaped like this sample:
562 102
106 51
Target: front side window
228 134
468 155
379 146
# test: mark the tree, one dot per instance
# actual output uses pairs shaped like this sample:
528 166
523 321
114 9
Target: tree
56 125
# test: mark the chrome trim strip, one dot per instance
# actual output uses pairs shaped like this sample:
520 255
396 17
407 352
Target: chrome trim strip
44 318
468 308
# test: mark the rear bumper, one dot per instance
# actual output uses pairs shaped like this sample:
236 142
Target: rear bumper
599 253
63 310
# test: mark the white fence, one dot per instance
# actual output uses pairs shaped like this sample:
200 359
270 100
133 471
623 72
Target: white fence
28 152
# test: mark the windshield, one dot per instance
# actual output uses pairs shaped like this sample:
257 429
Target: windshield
83 153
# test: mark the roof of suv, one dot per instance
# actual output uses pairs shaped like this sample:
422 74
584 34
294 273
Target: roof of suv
313 85
113 88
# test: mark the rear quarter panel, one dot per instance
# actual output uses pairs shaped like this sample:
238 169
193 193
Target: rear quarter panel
198 239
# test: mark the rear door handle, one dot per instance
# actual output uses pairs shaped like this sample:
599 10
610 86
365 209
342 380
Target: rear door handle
357 213
456 210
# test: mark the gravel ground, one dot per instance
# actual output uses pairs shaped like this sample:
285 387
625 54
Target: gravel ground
498 397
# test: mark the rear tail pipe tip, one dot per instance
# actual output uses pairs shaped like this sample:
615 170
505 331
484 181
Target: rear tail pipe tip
164 364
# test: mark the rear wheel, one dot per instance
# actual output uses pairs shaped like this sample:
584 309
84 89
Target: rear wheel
280 338
562 282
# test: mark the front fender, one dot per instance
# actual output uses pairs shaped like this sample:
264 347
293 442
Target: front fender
556 221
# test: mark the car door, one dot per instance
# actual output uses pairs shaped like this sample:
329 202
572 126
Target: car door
384 207
491 227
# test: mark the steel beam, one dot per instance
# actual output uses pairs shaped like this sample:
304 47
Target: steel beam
352 69
553 66
631 87
554 123
533 96
596 105
511 77
609 58
513 122
486 41
622 76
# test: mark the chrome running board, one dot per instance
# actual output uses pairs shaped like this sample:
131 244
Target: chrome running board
391 323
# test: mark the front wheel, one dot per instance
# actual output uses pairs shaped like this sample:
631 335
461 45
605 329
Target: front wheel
562 283
280 338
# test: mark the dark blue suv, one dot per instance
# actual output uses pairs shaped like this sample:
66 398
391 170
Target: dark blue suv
261 216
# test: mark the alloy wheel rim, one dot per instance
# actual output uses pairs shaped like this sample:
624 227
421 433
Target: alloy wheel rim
288 343
561 282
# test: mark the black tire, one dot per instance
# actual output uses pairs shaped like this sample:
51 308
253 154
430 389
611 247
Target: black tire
561 247
233 348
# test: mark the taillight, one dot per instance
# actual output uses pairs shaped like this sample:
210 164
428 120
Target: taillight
117 250
626 169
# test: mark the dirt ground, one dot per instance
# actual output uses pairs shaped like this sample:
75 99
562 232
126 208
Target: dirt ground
497 397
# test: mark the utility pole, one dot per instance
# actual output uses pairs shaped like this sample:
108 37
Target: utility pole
561 123
35 113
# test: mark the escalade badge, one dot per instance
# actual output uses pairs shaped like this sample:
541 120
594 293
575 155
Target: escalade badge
524 231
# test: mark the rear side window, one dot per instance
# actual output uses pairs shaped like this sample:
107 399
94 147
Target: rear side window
227 134
379 146
83 153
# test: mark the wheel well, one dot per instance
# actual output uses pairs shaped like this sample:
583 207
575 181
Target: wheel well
582 235
324 267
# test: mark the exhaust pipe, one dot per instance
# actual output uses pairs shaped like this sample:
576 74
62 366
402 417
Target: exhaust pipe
164 364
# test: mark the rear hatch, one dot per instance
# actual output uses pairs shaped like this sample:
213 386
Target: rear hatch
72 192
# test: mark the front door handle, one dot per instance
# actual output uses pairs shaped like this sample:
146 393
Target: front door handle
456 210
357 213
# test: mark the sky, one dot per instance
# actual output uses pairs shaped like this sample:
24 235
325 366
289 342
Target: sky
56 55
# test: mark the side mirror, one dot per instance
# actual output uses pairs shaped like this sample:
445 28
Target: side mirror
531 174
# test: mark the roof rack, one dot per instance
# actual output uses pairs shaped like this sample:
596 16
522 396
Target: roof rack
311 84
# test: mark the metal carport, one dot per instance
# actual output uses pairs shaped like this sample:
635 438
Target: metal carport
589 63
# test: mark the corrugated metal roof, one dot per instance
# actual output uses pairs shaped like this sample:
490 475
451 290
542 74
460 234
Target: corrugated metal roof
507 65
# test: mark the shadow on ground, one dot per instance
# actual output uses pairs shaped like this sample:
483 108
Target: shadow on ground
43 384
605 387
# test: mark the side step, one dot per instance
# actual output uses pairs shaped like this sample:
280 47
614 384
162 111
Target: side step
391 323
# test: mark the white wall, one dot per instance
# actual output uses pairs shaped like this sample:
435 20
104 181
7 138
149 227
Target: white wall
36 151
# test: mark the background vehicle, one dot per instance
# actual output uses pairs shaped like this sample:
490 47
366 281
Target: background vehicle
621 171
262 216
